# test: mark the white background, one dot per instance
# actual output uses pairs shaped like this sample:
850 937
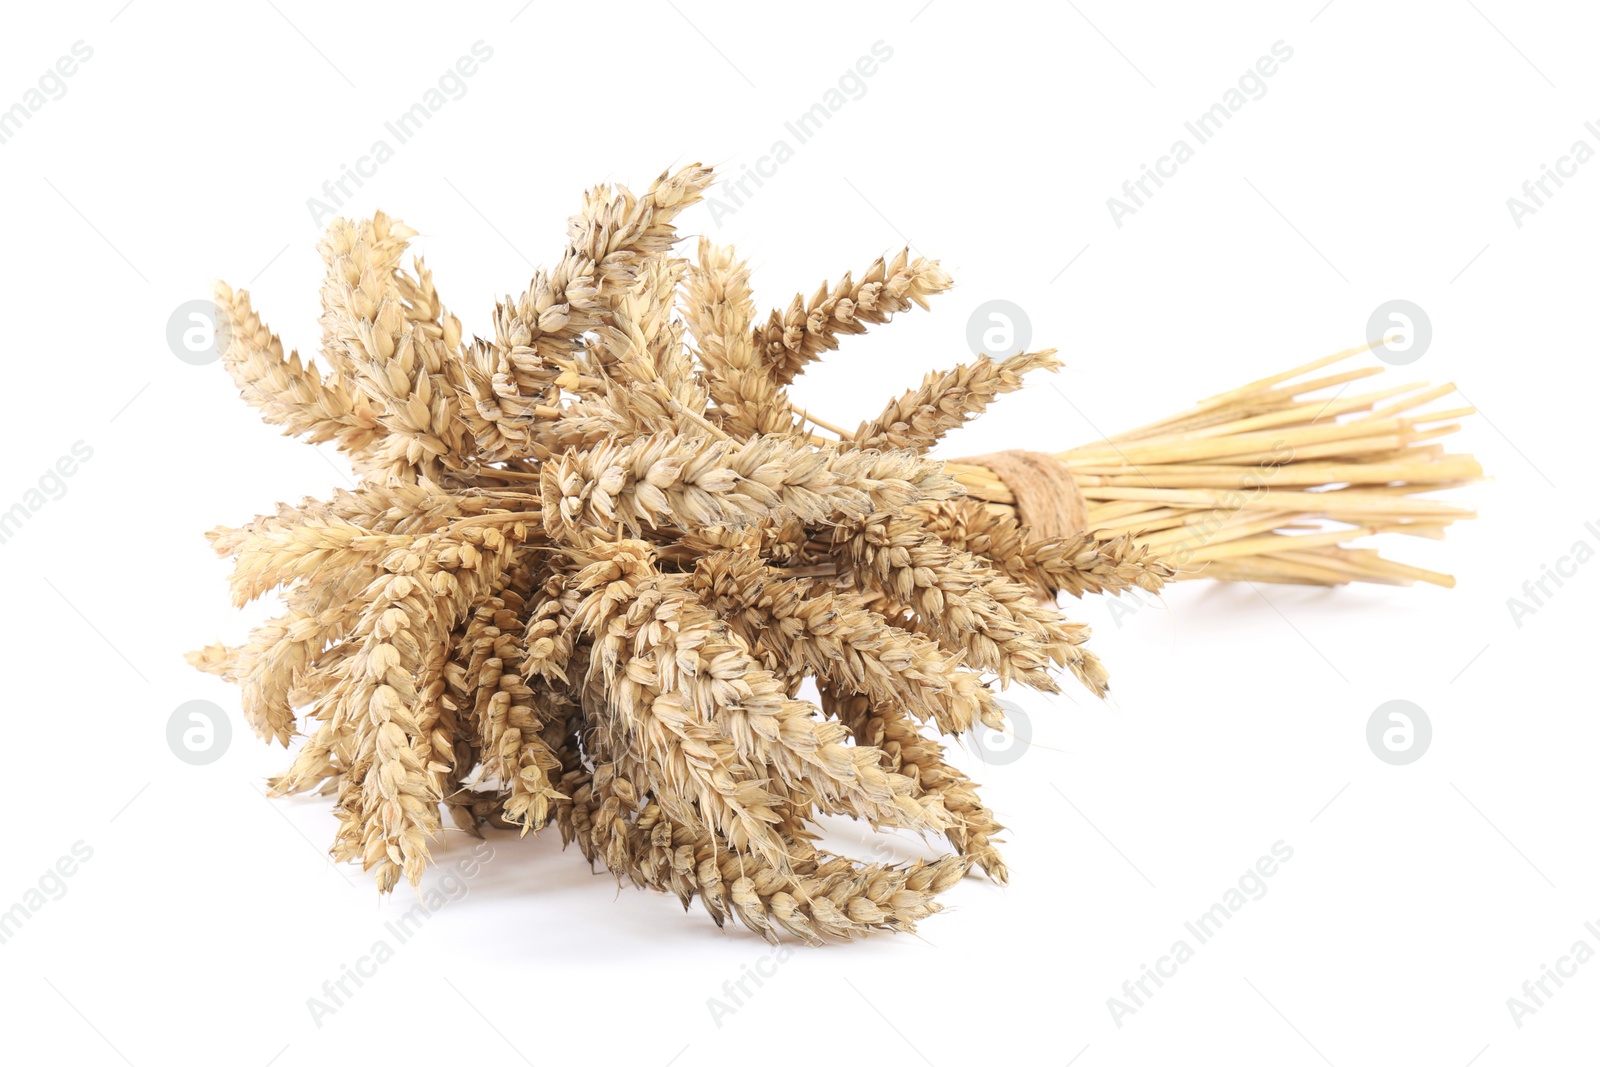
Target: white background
1377 166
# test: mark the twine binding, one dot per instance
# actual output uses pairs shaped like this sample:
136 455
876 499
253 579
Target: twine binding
1048 502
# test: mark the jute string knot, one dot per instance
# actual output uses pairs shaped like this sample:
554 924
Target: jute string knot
1048 502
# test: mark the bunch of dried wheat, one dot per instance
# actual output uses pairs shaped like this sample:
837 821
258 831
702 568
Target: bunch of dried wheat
593 558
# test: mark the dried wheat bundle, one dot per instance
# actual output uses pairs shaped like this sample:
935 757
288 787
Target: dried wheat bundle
593 558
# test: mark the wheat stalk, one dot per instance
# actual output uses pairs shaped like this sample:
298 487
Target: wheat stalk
1243 486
